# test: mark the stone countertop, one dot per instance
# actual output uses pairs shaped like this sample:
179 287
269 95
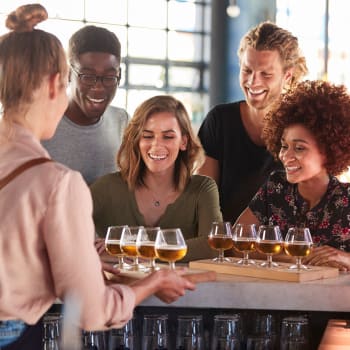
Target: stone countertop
240 292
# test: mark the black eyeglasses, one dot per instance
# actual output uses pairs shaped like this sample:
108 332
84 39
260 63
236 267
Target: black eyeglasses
91 79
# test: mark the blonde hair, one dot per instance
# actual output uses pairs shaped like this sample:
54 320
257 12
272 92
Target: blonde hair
268 36
27 56
129 160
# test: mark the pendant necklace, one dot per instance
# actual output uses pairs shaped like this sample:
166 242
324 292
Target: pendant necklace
157 202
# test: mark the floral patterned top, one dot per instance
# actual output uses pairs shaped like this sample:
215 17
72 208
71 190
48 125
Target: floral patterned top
278 202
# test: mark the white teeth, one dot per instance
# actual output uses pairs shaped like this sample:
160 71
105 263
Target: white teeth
95 100
157 157
292 168
256 92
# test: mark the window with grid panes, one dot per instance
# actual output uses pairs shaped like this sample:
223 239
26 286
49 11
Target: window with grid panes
165 44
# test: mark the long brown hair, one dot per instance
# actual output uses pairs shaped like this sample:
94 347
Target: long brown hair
129 158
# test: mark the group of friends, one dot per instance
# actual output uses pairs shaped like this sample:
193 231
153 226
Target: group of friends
272 158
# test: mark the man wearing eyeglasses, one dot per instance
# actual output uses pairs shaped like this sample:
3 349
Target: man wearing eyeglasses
89 135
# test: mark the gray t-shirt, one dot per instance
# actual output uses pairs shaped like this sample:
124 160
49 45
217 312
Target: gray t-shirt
91 149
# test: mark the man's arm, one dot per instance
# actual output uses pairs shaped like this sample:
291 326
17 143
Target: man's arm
210 168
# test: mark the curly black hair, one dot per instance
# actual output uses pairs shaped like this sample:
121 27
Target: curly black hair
321 107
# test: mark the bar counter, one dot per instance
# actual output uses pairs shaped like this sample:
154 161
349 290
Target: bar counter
239 292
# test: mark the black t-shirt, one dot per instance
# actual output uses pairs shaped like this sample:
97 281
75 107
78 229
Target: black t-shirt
243 165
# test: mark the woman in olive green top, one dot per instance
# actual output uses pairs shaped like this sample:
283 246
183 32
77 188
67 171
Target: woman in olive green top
156 185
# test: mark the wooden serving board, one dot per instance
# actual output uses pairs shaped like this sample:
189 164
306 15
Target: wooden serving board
281 272
193 275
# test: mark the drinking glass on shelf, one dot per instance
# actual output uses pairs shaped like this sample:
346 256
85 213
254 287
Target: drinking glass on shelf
170 246
189 334
112 243
269 242
51 331
263 332
295 333
244 238
155 333
125 337
220 238
94 340
145 246
128 245
227 332
298 243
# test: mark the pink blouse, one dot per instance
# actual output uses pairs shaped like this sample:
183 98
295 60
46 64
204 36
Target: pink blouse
46 241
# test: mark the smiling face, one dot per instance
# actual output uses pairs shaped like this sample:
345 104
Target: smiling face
160 142
88 103
262 77
301 156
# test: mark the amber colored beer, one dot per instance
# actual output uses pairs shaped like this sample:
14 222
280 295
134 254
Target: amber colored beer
269 247
129 249
220 242
113 247
244 245
146 250
168 253
298 248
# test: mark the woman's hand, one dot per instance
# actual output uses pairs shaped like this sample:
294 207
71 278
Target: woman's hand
100 245
110 273
167 285
329 256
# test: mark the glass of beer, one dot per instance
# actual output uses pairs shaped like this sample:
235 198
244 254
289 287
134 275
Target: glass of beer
112 243
220 238
170 246
298 243
269 242
244 238
145 246
128 245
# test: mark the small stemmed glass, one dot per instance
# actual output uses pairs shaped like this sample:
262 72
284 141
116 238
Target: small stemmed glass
220 238
298 243
244 238
170 246
269 241
145 242
112 243
128 245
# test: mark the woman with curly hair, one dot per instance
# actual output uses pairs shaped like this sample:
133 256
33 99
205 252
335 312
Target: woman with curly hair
308 130
156 186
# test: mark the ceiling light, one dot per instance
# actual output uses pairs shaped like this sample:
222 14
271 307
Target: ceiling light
233 9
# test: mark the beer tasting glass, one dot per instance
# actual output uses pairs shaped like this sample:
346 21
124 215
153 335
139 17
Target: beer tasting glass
220 238
269 242
112 243
244 238
298 243
170 246
145 246
155 334
128 245
189 335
